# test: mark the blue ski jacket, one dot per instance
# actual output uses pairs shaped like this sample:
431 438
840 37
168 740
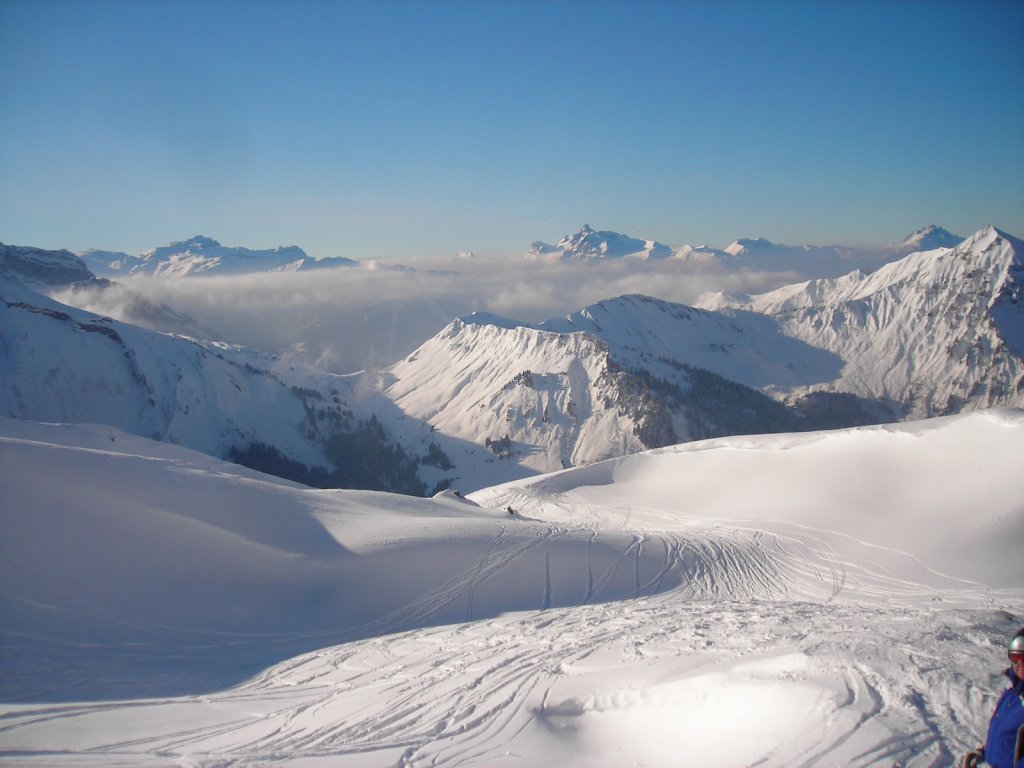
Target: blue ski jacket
1007 719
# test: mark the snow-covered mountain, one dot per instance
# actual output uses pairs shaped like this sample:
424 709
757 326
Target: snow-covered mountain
65 276
615 378
63 364
589 245
755 254
937 332
305 264
110 263
204 256
818 260
705 255
44 269
612 379
489 399
929 238
832 260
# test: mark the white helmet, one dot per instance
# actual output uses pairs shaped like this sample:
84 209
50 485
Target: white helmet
1016 643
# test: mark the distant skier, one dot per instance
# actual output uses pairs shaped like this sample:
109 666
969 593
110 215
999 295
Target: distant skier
1004 746
511 512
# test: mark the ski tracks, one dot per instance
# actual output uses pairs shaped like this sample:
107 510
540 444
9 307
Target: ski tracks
523 684
471 693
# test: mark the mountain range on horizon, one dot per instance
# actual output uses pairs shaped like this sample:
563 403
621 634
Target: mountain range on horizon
591 245
203 256
937 332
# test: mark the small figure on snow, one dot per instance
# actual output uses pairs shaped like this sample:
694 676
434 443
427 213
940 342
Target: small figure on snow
1004 746
511 512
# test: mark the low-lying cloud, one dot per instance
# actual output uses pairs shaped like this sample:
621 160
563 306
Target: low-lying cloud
352 318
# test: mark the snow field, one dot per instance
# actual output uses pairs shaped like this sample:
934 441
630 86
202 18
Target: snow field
826 599
652 682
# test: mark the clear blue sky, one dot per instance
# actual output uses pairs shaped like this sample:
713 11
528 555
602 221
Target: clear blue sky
387 129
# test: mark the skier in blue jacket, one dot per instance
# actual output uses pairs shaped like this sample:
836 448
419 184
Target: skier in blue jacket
1004 746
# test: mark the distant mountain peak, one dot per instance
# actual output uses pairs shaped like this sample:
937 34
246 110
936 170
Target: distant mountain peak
929 238
589 244
198 242
202 241
487 318
747 244
204 255
39 267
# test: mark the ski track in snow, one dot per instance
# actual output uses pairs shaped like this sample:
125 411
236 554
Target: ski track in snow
473 694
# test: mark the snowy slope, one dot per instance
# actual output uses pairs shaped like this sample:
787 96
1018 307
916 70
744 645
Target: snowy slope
60 363
161 608
644 332
63 364
483 379
934 333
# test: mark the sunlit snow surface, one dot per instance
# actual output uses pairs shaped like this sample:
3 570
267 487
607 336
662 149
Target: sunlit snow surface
827 599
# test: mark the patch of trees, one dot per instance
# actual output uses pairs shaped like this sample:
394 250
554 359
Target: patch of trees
502 447
718 406
838 410
437 458
363 458
267 459
525 379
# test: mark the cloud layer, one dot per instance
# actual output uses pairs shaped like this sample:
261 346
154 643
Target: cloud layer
348 319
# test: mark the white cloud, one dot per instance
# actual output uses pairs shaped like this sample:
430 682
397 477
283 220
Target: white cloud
351 318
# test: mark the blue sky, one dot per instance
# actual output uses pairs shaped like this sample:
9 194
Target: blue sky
394 129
